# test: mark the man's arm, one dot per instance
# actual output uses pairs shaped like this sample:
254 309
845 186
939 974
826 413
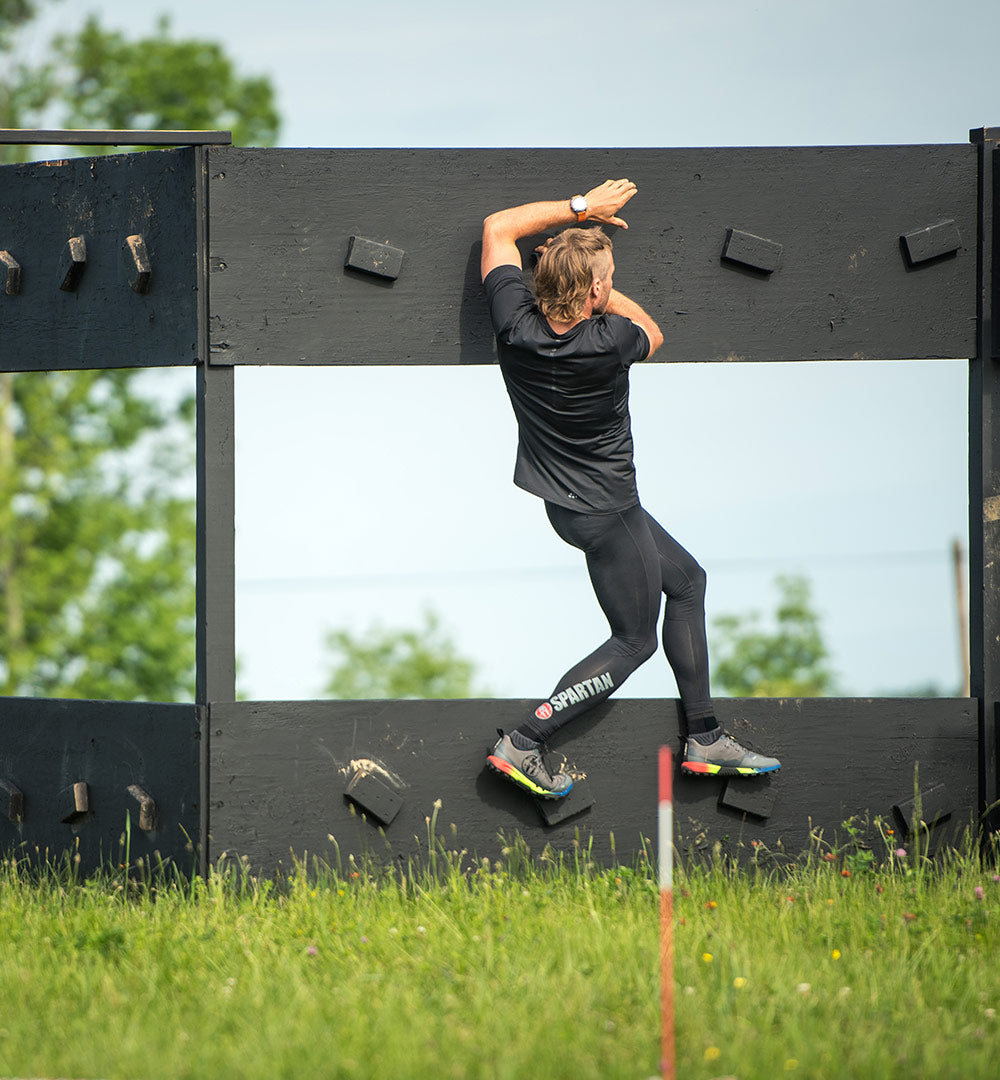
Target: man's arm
502 230
620 304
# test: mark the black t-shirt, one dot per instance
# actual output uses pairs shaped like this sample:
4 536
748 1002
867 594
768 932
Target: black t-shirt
570 396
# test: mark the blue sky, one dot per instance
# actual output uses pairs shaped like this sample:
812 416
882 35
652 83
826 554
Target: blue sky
853 474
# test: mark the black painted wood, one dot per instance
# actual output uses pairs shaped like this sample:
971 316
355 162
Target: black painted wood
215 573
279 772
103 322
282 221
111 137
984 470
48 746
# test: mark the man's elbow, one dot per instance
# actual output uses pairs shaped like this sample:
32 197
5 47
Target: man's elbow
655 338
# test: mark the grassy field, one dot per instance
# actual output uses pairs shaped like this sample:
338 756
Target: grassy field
845 963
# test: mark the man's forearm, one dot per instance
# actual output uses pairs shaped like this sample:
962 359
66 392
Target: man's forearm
530 219
620 304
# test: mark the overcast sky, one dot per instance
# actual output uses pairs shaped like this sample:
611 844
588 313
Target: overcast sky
758 469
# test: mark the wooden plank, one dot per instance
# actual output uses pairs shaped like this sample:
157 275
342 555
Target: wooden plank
104 321
279 773
111 137
78 765
984 471
844 288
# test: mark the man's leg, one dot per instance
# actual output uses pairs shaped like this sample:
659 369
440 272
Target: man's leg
624 569
708 751
685 643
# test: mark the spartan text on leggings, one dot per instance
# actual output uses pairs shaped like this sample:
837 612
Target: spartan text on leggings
582 690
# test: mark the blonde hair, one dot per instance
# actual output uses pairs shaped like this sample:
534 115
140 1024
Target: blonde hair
566 270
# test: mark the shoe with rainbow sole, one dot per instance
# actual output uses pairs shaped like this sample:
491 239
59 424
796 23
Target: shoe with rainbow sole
725 757
526 769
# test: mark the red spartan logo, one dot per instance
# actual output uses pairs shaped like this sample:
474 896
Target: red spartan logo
544 711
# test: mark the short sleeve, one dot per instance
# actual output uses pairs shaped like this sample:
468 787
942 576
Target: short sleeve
508 297
631 340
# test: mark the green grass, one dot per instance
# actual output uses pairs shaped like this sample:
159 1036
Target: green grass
526 968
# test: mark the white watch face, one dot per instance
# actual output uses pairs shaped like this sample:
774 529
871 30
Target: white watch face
578 204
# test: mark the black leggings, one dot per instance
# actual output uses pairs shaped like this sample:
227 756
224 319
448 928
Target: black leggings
632 560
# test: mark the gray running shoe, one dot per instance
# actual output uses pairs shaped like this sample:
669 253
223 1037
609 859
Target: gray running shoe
527 770
725 757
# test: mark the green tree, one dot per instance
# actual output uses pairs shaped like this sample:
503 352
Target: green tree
96 527
788 660
391 663
159 83
25 89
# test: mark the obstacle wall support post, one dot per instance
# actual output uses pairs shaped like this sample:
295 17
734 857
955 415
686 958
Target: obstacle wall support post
984 472
216 514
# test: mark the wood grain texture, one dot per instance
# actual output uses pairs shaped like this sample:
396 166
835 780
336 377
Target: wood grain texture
77 763
281 221
103 322
279 772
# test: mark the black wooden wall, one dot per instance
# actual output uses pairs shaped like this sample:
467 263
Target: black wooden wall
842 287
763 254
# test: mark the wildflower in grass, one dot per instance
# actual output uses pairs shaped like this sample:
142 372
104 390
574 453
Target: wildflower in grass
901 853
739 982
835 954
909 916
830 857
979 892
879 889
845 872
711 905
712 1053
803 988
707 957
996 877
421 930
312 950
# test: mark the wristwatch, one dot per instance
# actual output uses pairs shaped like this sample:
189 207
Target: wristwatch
578 204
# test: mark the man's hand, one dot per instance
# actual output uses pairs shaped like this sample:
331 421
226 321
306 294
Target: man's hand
502 230
604 201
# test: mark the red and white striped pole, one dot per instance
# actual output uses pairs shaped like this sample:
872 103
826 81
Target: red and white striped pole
666 869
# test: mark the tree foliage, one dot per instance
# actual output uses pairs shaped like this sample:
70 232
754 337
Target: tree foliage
417 663
160 83
97 534
96 566
790 659
99 78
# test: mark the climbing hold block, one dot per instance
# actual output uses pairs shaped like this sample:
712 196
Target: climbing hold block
374 796
757 252
140 271
748 795
931 242
934 809
579 799
147 807
371 257
13 797
10 268
74 262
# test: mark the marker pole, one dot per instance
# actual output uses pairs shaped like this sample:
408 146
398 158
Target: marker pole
666 869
